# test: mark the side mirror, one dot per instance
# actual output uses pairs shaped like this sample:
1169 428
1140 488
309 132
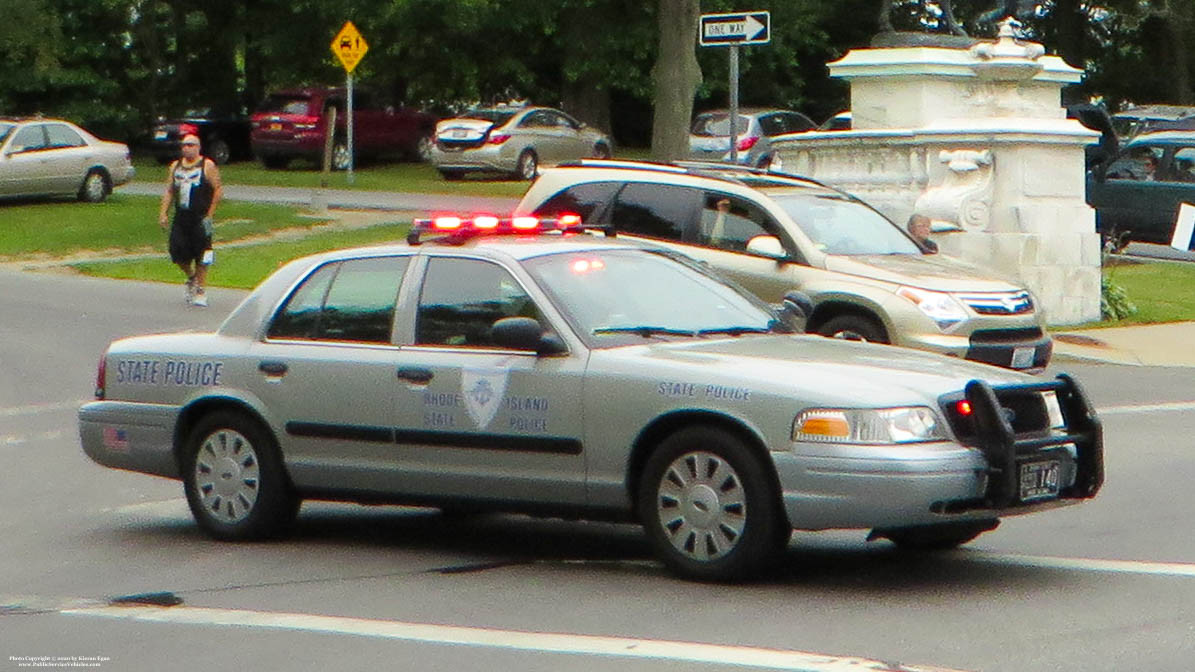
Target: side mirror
798 304
524 333
767 246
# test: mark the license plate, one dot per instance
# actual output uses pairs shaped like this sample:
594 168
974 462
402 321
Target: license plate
159 135
275 127
460 134
1022 358
1039 480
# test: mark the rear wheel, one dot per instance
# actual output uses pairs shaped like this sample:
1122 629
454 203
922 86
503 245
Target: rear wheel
340 155
854 328
234 479
709 506
422 151
95 187
219 151
601 151
528 165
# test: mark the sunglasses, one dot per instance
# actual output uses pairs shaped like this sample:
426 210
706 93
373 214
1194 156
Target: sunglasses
190 144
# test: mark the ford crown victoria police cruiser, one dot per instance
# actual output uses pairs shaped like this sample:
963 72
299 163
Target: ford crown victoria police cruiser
498 366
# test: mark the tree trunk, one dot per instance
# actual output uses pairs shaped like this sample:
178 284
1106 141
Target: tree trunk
676 76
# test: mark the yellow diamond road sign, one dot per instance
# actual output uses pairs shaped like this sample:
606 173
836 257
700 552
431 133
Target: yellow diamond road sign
349 46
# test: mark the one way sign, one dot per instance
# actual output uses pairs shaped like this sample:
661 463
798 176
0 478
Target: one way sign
735 29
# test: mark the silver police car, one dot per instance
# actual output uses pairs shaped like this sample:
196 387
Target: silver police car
522 365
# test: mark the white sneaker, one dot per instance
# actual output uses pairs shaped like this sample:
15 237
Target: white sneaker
189 292
200 299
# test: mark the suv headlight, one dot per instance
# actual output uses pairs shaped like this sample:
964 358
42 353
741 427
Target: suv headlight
942 308
911 424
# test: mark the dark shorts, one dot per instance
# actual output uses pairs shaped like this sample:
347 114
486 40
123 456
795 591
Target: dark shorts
188 240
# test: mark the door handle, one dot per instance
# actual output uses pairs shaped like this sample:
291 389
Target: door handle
272 368
415 374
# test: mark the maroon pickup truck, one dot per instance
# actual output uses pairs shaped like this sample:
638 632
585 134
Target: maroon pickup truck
291 124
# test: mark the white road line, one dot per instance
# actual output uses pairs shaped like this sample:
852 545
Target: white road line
540 642
1182 569
18 439
33 409
1168 407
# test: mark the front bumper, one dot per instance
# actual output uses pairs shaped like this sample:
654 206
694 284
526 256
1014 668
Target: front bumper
828 486
131 436
1011 347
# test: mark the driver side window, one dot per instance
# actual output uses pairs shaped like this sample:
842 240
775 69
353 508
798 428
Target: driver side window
463 298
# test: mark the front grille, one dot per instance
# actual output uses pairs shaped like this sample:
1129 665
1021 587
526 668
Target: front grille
999 303
1025 335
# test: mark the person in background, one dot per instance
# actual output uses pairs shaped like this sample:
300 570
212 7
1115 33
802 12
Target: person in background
193 186
919 229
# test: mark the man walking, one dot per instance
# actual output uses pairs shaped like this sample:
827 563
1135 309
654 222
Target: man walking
193 186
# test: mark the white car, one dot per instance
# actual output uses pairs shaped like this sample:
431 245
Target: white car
50 157
512 139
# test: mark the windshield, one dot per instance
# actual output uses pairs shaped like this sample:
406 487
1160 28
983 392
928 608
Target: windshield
499 117
838 225
612 297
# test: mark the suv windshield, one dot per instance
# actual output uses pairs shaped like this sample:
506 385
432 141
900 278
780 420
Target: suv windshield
838 225
600 293
499 117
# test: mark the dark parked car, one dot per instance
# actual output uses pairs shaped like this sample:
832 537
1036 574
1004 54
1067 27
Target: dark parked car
1137 196
291 124
223 134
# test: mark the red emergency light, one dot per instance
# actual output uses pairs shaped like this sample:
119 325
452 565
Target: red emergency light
458 228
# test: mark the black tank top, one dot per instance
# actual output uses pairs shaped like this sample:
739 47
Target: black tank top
192 191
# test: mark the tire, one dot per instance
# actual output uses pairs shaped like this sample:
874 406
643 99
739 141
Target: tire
709 506
936 537
218 151
95 187
452 175
422 151
602 151
528 165
275 162
234 480
340 155
854 328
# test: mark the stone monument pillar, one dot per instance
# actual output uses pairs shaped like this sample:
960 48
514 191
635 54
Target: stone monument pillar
976 139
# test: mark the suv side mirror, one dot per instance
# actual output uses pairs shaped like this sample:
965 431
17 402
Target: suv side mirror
767 246
524 333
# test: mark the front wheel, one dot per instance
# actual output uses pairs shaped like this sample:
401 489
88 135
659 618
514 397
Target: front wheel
234 479
528 165
854 328
709 506
219 151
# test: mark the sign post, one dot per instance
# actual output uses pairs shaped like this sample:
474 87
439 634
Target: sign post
733 30
349 46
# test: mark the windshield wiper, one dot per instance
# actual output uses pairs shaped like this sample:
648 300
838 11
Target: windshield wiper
736 331
645 331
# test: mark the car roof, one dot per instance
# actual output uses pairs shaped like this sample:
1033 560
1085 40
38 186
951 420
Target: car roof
696 173
1163 138
750 111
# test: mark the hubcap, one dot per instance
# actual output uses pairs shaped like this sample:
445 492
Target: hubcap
529 167
340 157
701 506
95 187
227 476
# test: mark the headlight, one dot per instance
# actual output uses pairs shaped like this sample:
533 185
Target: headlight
913 424
940 307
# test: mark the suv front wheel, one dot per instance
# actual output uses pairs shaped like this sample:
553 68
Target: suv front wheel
854 328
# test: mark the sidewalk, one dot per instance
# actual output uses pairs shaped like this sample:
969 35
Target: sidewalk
1171 344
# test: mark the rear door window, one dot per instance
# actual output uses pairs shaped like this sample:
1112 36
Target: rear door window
61 135
344 301
657 211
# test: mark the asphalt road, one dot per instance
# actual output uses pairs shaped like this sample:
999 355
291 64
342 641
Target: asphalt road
1106 586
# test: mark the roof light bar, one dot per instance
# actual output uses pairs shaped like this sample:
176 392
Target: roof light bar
456 228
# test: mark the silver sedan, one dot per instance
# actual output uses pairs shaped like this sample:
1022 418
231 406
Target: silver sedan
49 157
581 376
512 139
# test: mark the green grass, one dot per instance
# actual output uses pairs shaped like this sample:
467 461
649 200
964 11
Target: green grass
122 223
413 177
1162 291
244 267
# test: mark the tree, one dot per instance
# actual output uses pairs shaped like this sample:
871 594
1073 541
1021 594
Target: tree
676 76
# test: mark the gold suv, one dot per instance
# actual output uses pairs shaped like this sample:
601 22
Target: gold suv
773 233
